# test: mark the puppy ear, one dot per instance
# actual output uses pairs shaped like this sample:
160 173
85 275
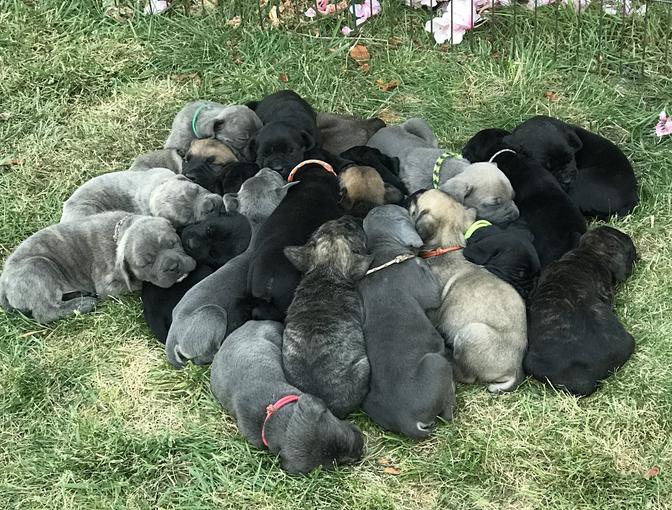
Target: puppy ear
457 188
574 140
425 226
308 140
299 256
231 202
392 195
282 191
120 266
251 149
346 202
360 265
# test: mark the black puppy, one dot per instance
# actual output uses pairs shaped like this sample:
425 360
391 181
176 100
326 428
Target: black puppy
235 174
554 220
272 279
574 338
595 173
158 303
508 253
289 131
387 167
216 240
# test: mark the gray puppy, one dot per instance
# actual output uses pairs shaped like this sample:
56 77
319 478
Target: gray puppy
481 317
155 192
232 125
411 377
342 132
481 186
323 350
66 267
247 378
162 158
219 304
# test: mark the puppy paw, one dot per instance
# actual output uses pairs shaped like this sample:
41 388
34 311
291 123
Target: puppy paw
85 304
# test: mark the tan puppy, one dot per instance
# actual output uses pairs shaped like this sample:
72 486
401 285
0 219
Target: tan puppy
205 148
206 163
481 317
362 189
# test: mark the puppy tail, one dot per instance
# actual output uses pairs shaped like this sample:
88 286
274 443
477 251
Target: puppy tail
508 383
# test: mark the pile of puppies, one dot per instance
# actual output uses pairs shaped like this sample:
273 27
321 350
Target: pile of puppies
245 233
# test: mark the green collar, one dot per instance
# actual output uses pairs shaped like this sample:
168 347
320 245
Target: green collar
195 118
436 173
475 226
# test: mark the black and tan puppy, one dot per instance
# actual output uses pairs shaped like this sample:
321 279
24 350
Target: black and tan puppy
289 131
388 168
158 303
555 222
215 241
342 132
272 279
574 338
205 163
508 253
323 349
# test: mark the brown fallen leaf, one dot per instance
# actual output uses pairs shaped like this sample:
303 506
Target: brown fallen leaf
234 22
360 54
364 67
551 96
12 162
394 42
391 470
283 77
384 461
652 472
387 86
187 77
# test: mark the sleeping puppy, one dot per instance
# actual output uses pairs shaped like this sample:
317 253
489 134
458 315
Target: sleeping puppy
323 349
411 377
155 192
247 378
220 303
162 158
205 163
272 278
216 240
109 254
481 317
231 125
362 189
158 303
289 131
388 168
595 173
575 339
508 253
342 132
235 174
551 216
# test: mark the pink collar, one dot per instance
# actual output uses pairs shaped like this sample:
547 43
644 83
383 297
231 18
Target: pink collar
272 408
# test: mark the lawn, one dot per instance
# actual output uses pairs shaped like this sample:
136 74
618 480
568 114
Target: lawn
91 414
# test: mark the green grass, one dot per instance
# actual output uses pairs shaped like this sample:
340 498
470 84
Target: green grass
92 416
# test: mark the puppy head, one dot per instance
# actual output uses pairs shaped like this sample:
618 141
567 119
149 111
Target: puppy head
362 189
205 163
258 196
484 144
614 247
484 187
551 143
391 222
150 250
339 244
439 219
217 239
183 202
280 147
315 437
235 126
235 174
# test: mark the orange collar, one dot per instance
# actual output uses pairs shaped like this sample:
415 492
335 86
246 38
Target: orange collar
428 254
327 167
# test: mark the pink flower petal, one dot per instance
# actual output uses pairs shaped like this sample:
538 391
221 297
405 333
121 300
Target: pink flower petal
310 13
346 31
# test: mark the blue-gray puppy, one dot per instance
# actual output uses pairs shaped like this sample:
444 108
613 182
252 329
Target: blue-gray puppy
323 350
155 192
220 303
411 376
232 125
66 267
480 186
162 158
247 378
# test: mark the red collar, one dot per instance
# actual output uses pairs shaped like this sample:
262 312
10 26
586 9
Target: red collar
326 166
272 408
428 254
